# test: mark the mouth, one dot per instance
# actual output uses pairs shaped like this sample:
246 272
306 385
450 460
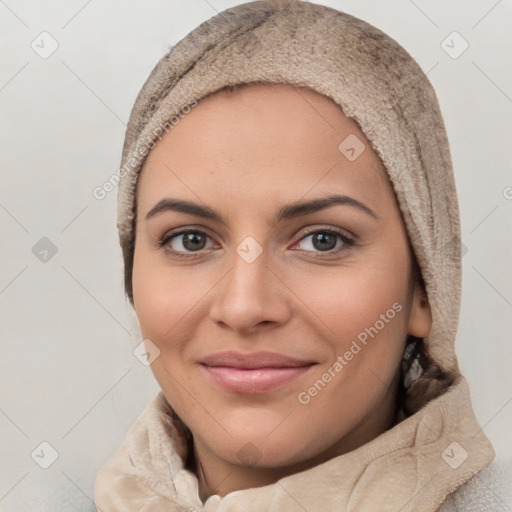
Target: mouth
254 373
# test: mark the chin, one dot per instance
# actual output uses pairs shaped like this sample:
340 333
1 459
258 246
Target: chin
272 444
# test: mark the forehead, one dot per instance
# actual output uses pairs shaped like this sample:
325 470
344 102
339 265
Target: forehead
265 141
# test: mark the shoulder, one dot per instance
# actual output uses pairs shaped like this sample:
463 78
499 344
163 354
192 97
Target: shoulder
487 491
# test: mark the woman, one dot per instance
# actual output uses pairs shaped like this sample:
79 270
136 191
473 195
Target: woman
290 233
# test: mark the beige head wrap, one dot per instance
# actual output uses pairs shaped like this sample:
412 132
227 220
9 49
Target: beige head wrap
376 82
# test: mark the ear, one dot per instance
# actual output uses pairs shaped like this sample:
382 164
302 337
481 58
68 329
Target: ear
420 319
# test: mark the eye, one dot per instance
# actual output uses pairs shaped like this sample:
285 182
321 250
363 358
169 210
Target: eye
187 242
183 242
325 240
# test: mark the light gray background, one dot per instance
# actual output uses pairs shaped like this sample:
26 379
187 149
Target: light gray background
68 373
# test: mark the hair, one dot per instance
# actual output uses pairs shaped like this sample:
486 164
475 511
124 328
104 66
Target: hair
420 378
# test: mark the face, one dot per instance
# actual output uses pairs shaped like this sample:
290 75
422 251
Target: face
280 327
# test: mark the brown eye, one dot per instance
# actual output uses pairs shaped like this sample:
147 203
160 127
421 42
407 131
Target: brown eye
325 240
185 242
193 241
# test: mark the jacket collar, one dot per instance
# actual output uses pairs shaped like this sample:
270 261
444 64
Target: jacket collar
413 466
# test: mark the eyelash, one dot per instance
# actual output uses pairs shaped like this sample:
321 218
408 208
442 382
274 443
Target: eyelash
347 241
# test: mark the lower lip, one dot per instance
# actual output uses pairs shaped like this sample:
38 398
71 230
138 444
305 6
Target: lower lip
254 381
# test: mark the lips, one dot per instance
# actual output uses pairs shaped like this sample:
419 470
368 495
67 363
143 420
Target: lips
253 373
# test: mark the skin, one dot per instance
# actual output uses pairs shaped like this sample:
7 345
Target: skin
245 154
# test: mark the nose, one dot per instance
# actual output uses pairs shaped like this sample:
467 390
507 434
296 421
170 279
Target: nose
250 295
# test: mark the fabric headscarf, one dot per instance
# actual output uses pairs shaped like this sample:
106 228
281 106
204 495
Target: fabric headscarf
378 84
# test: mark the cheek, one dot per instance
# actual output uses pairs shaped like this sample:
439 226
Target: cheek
363 311
163 297
350 300
365 316
165 301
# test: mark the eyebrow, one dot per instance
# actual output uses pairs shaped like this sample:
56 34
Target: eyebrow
287 212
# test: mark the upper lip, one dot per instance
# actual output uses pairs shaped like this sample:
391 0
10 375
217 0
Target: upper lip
254 360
